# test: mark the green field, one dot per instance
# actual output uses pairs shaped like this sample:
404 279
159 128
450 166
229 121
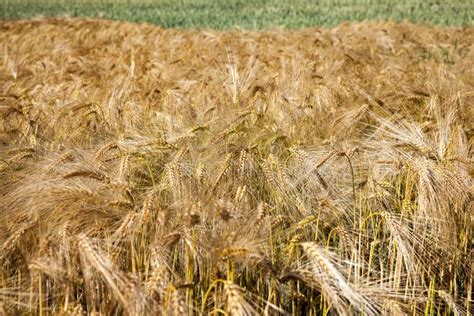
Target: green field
225 14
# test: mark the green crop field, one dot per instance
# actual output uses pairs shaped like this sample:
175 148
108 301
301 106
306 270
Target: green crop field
223 14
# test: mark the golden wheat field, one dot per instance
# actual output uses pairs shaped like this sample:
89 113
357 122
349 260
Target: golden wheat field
150 171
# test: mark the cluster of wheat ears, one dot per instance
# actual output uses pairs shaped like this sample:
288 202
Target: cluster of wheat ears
319 171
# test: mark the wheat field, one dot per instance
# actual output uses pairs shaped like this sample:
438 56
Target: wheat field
150 171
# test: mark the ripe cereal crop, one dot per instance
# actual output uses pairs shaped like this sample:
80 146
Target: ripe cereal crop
318 171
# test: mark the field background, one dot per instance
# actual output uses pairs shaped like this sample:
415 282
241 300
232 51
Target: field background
223 14
171 171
